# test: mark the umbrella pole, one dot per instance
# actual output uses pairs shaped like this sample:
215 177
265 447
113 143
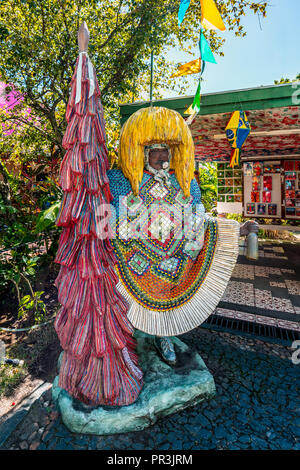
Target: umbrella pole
151 77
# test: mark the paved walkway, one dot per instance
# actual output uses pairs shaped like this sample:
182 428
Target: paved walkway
256 406
266 291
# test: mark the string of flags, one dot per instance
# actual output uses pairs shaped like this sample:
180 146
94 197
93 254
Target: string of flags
210 19
238 127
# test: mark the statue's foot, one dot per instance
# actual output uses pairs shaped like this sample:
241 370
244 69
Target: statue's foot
166 350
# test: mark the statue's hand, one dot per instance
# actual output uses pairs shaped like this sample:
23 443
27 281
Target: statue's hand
247 227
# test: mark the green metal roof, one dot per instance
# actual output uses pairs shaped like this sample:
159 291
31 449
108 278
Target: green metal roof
263 97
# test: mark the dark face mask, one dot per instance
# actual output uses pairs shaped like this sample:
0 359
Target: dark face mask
158 157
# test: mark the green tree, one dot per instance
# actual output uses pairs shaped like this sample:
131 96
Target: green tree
38 41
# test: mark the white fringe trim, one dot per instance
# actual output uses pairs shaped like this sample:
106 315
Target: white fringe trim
190 315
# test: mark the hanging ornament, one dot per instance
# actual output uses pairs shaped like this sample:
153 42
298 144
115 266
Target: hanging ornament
211 18
237 131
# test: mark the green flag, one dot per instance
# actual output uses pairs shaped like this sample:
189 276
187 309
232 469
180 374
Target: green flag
205 51
197 99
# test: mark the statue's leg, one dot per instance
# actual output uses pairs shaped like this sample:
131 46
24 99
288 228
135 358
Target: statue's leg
166 349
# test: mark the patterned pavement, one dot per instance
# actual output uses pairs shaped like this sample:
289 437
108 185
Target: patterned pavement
257 403
266 291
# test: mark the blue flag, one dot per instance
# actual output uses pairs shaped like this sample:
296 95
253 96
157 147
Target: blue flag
184 4
205 51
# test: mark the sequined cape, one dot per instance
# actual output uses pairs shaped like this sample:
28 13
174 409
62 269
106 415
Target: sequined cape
164 278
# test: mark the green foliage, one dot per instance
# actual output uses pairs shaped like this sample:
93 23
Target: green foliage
238 217
38 42
287 80
32 304
10 377
46 218
208 185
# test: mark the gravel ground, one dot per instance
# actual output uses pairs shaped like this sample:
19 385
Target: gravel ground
256 406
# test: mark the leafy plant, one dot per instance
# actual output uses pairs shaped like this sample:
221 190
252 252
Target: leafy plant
32 304
208 185
10 377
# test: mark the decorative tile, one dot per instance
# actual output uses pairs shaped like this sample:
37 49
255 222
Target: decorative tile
261 271
278 284
276 271
263 299
243 271
258 319
289 325
239 293
293 287
224 312
284 305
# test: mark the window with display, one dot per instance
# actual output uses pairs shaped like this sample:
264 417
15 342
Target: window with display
229 183
262 189
292 188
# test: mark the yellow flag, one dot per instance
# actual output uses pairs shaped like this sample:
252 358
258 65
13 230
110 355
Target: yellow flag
233 121
211 18
190 67
189 110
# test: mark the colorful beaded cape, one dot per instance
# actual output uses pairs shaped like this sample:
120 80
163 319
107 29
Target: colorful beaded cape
160 267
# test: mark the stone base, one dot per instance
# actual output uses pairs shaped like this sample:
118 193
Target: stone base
166 390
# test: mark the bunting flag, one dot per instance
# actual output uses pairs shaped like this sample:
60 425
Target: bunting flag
184 4
206 56
211 18
197 99
205 50
187 69
194 108
237 131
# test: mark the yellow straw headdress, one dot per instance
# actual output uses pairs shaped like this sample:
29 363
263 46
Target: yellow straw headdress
156 125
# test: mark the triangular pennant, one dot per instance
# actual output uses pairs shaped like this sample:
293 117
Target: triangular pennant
233 121
186 69
205 51
189 110
184 4
194 108
211 18
197 99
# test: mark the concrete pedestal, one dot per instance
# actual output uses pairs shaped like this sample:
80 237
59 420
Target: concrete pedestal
166 390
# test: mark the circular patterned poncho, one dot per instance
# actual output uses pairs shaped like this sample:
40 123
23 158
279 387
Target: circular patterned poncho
165 248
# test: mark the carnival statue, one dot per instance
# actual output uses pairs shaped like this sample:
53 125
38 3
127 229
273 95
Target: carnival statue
137 250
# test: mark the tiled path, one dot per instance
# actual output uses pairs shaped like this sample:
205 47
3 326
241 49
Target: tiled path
256 406
266 291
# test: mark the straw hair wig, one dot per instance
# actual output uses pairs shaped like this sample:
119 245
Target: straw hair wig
156 125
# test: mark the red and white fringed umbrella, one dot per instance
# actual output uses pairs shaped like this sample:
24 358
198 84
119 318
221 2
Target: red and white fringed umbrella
99 365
